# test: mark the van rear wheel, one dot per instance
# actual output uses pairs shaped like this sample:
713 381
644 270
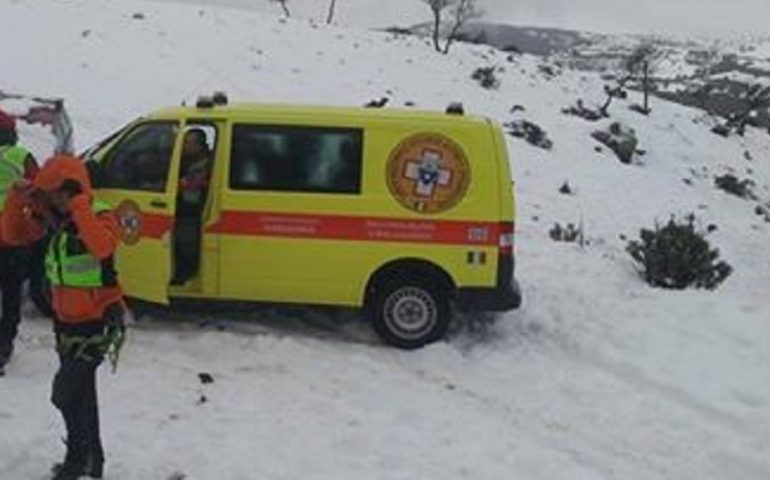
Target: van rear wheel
410 312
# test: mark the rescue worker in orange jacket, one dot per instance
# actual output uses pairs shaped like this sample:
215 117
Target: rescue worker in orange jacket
87 298
15 163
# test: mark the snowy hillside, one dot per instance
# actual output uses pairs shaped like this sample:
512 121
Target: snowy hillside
597 377
361 13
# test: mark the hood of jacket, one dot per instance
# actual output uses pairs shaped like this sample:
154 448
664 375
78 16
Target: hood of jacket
60 168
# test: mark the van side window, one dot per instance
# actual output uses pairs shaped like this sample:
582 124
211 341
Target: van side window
296 159
142 159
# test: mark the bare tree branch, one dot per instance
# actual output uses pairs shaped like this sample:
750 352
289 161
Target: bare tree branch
464 11
460 10
284 6
332 8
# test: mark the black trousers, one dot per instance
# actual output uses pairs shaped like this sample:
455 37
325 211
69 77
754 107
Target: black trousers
13 265
187 246
74 394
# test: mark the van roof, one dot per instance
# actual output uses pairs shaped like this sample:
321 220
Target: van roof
247 109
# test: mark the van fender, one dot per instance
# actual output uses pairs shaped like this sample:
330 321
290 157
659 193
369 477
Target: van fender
406 266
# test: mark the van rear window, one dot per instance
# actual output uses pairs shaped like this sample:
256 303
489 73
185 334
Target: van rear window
296 159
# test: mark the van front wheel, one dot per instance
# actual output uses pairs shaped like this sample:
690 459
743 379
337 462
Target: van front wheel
410 312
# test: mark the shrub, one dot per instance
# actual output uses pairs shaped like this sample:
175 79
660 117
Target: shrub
487 78
534 134
569 234
732 185
678 256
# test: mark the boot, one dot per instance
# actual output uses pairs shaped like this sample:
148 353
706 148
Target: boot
93 467
95 464
72 468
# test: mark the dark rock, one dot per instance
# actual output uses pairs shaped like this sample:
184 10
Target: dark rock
620 139
205 378
639 109
580 110
377 103
721 130
547 70
763 211
565 189
138 16
734 186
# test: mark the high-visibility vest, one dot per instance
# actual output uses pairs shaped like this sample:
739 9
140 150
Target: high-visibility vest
69 264
12 161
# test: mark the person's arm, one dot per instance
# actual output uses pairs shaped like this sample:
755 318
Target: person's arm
30 167
20 224
101 233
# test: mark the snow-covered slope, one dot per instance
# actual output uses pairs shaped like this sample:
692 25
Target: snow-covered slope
597 377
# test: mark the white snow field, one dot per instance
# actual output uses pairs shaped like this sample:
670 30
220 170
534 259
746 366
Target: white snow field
597 377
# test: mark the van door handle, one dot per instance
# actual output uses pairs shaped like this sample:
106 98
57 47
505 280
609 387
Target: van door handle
157 203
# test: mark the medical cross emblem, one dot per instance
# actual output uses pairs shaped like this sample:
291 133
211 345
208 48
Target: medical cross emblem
130 219
427 173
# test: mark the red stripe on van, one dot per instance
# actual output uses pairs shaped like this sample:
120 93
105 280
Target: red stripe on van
357 228
155 226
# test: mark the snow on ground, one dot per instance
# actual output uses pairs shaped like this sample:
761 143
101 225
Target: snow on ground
597 377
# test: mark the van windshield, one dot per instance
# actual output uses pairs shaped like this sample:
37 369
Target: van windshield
95 150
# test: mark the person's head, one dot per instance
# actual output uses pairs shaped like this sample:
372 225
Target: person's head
8 135
61 178
195 143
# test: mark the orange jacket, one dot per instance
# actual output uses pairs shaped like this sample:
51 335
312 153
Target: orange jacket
23 223
30 172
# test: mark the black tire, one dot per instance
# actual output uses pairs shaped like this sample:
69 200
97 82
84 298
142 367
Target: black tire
410 311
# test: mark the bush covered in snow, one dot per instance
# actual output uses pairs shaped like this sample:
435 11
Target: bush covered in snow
734 186
568 234
534 134
487 77
678 256
580 110
620 139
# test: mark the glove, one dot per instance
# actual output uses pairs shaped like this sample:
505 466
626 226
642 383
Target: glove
25 189
115 316
115 333
71 187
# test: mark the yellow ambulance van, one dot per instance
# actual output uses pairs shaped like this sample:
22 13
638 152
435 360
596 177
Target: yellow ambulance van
408 215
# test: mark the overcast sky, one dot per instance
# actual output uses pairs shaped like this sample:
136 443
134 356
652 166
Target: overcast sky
643 16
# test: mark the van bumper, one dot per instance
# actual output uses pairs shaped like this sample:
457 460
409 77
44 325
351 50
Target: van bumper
505 296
